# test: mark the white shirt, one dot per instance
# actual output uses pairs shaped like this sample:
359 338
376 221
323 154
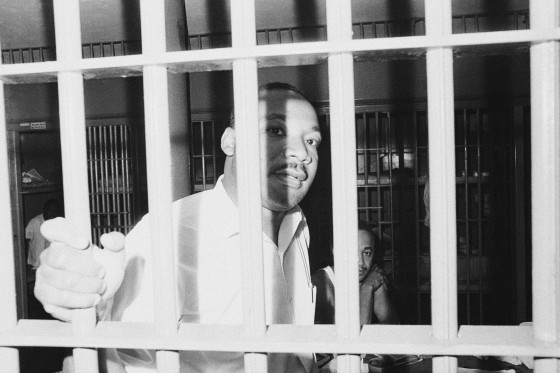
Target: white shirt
37 242
209 278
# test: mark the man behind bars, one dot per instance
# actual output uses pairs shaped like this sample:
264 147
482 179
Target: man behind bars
208 252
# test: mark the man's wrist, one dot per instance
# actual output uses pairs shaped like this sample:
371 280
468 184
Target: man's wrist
372 287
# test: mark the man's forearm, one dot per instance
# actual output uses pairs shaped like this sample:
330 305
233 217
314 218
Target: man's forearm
366 303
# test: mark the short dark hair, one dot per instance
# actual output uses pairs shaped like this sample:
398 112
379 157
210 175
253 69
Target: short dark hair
365 226
272 86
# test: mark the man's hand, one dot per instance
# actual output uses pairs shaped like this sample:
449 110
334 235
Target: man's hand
375 278
71 277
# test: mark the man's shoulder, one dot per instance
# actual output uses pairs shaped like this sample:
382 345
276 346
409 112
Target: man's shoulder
186 207
36 220
191 206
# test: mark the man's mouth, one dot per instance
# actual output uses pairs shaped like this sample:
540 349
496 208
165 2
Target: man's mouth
293 173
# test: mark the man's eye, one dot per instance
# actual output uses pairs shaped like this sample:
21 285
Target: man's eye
276 131
313 142
368 253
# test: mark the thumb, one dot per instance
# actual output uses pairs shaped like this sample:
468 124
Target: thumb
62 231
113 259
113 241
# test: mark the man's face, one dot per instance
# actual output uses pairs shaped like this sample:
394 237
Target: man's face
290 136
366 250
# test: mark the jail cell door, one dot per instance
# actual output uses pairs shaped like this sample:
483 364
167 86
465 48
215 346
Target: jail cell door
115 181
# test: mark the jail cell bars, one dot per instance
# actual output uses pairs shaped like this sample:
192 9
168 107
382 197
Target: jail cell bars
90 50
206 154
110 171
392 176
518 20
483 22
442 339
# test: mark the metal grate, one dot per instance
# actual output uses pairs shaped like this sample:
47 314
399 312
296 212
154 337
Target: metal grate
91 50
443 339
483 22
206 153
110 171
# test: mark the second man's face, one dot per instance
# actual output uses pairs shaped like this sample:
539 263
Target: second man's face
366 252
290 136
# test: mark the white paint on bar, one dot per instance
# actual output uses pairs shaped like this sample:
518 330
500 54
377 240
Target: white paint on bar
345 199
9 357
248 194
73 151
167 361
68 35
73 148
384 339
245 93
267 55
158 166
152 17
545 185
442 338
441 154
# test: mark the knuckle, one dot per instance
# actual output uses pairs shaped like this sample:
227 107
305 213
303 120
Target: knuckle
56 257
39 291
67 282
44 255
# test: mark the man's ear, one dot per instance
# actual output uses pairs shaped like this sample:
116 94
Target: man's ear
228 141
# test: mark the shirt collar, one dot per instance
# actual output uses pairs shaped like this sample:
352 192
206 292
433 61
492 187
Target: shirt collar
288 228
230 213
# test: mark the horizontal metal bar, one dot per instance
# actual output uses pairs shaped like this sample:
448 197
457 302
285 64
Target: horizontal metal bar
266 55
382 339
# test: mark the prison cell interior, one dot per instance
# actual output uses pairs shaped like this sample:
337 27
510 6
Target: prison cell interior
116 183
472 156
391 199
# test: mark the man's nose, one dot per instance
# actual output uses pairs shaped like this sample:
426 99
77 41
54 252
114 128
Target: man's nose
361 262
296 148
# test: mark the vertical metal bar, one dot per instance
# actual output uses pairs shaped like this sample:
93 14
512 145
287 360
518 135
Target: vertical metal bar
105 164
214 160
90 170
391 188
245 84
378 168
443 216
8 312
417 210
520 205
158 163
112 176
97 175
73 149
130 187
203 156
345 199
124 192
365 154
465 182
120 176
117 177
545 196
480 215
